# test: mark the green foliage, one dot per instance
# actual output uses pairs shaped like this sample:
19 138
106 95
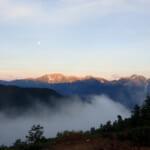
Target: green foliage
136 128
140 135
2 147
35 140
145 111
92 130
136 116
19 144
35 134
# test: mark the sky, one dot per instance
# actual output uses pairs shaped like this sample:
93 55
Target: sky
107 38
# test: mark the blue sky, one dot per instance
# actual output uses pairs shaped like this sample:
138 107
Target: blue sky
107 38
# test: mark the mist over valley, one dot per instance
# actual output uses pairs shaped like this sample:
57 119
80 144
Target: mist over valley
73 105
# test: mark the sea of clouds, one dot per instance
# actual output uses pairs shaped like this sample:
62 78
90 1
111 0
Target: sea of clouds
69 114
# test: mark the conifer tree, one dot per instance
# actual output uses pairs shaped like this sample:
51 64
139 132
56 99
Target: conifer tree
145 111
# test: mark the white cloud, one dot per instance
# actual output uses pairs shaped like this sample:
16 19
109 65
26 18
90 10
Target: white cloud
10 10
72 114
66 11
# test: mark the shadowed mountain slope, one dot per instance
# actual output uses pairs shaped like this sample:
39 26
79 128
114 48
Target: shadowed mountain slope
20 99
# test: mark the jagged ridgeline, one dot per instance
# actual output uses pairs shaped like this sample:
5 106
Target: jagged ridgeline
127 91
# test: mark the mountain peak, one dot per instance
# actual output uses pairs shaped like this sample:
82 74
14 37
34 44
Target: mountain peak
57 78
138 79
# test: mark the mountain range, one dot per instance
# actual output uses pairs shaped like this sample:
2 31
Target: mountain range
60 78
127 90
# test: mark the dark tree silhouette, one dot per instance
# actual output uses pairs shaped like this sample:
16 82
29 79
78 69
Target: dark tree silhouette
35 134
145 111
136 116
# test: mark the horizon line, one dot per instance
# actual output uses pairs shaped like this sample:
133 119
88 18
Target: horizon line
118 77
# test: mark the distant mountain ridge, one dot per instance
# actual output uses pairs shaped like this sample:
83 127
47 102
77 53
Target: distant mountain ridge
127 90
136 79
60 78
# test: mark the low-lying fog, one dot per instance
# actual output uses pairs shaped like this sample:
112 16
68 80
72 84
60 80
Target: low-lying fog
70 115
